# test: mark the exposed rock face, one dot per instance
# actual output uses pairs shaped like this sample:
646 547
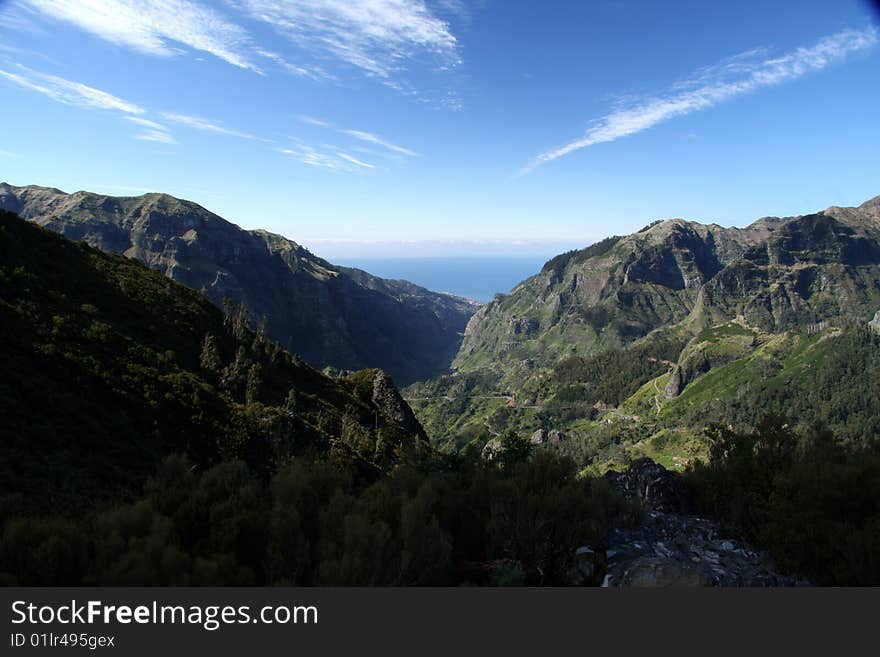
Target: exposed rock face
668 549
492 450
607 295
387 399
651 486
706 352
541 436
671 549
328 315
874 324
777 274
811 268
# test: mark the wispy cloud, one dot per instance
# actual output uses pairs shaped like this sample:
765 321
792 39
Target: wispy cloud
369 137
329 158
313 72
153 131
361 136
206 125
81 95
156 27
711 86
157 136
70 93
378 37
146 123
311 120
354 160
312 157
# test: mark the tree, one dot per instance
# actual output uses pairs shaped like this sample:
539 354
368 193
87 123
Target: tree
210 357
514 449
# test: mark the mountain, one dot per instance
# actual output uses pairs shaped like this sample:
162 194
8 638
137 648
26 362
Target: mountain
776 273
111 367
150 439
650 315
330 316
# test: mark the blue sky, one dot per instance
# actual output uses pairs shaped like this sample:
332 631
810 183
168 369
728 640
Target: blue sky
432 127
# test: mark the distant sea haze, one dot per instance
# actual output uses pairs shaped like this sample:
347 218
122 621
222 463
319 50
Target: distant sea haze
473 277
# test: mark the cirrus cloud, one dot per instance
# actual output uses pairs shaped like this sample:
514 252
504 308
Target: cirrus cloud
376 36
710 86
69 92
156 27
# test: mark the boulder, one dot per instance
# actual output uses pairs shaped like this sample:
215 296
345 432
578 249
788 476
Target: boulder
651 485
655 572
491 450
874 324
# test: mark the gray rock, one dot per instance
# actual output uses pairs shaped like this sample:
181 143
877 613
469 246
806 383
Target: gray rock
670 548
651 485
387 399
538 437
491 450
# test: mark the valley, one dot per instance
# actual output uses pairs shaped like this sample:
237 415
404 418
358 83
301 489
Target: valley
733 364
633 346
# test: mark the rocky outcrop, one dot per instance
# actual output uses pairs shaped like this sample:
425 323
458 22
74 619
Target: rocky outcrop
811 268
551 437
492 449
672 550
874 324
651 486
711 348
388 401
344 318
609 294
675 550
668 548
778 274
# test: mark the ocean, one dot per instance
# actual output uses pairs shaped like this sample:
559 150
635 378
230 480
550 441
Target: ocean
472 277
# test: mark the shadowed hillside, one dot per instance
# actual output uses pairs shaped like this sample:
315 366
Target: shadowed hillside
332 316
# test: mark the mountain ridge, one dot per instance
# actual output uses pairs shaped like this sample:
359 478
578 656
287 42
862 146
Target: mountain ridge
331 316
607 343
135 366
653 278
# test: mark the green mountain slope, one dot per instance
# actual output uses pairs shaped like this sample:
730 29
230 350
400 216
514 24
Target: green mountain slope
149 438
652 335
343 318
111 367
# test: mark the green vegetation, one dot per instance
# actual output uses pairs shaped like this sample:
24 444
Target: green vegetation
328 315
634 345
314 522
150 438
110 367
808 498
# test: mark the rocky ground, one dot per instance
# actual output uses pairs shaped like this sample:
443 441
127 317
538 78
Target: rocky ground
669 547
